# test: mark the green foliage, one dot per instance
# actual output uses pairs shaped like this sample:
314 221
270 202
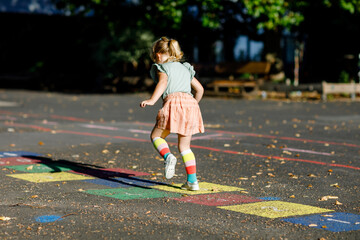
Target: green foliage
131 25
273 14
344 77
352 6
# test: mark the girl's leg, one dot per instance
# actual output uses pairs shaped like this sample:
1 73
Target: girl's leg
158 139
189 161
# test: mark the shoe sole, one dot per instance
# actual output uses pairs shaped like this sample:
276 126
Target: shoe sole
170 169
191 188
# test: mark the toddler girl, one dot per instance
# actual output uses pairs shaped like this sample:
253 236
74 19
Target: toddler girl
180 112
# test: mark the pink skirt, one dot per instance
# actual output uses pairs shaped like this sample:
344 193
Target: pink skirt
180 114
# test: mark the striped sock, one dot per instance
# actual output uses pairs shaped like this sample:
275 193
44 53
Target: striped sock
161 146
190 165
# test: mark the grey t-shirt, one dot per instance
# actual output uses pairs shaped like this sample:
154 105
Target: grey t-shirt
179 76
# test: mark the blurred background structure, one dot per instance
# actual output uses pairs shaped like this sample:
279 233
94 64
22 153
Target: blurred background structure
103 45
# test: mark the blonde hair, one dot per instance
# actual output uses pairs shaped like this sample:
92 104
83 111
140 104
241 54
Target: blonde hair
170 46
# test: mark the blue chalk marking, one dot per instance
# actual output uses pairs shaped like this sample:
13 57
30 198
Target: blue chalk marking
335 222
270 198
48 218
17 154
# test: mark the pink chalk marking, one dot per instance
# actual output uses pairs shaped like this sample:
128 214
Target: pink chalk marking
206 136
218 199
99 127
7 118
50 123
11 161
139 131
307 151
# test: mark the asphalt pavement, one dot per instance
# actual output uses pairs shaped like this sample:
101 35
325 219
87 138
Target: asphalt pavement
81 166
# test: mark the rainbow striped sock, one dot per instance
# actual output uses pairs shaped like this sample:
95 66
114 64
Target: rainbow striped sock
190 165
161 146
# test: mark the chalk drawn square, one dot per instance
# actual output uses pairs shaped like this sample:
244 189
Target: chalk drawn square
218 199
17 154
123 182
41 168
334 222
49 177
13 161
269 198
131 193
276 209
109 172
205 188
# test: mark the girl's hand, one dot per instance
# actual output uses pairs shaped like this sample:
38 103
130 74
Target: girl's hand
146 102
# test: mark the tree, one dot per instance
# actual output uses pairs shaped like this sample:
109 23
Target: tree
131 25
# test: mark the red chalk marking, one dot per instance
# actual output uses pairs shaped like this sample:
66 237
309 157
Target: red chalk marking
193 146
29 126
217 131
285 138
74 119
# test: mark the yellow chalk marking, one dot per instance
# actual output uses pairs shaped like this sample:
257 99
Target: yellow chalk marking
205 188
275 209
49 177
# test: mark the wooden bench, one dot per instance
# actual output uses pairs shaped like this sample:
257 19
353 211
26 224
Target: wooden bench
346 88
257 71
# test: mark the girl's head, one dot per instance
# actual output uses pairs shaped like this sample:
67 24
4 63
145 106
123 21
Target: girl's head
166 50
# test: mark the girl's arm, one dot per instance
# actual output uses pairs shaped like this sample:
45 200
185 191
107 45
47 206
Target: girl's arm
199 90
159 90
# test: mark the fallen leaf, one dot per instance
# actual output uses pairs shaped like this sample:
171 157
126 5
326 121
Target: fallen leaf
34 196
292 196
243 178
4 218
30 167
325 198
335 185
338 203
287 152
311 175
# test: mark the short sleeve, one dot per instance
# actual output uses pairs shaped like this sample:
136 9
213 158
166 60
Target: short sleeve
190 68
154 69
